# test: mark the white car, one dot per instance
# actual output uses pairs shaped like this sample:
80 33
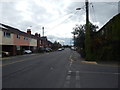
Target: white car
60 49
27 51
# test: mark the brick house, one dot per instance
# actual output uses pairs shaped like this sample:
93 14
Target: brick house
15 41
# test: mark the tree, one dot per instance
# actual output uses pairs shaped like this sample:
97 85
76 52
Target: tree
56 45
79 37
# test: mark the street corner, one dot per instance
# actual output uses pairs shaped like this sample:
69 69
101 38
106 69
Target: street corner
89 62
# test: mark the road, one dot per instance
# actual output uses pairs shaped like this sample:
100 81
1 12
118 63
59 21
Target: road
59 69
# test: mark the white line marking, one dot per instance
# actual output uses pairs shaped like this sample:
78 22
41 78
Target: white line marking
98 72
77 85
69 72
77 75
68 77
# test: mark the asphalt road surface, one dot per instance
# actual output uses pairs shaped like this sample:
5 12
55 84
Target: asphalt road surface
59 69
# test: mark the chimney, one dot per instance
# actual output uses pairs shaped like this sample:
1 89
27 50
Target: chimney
39 35
28 31
36 34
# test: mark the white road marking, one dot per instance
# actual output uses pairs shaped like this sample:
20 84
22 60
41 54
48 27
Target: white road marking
69 72
77 75
68 77
98 72
77 85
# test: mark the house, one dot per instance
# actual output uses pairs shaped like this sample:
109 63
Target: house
107 40
15 41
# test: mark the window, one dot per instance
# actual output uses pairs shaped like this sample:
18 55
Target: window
25 38
18 36
6 34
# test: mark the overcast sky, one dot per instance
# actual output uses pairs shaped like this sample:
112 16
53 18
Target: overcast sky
57 16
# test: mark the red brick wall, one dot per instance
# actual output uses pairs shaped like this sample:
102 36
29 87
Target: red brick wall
21 41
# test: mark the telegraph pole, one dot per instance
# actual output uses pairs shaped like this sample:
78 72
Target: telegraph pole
87 34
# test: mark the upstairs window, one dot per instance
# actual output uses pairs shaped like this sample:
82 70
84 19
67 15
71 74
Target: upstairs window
18 36
6 34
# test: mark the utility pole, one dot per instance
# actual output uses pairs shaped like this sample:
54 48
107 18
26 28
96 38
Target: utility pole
87 34
43 31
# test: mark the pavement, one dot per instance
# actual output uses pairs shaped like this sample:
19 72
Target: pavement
59 69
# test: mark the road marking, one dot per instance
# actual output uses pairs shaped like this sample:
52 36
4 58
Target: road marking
91 62
98 72
94 62
77 85
77 75
68 77
19 61
69 72
12 63
67 81
70 64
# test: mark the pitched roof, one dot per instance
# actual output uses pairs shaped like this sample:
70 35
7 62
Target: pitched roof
15 30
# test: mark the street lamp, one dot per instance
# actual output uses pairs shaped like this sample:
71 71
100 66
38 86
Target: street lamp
78 8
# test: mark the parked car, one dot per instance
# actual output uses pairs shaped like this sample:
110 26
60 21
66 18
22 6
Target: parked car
5 53
48 49
27 51
73 48
60 49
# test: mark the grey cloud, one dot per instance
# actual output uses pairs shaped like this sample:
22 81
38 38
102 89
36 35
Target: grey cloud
66 40
11 16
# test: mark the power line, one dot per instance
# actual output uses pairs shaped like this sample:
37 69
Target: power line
61 17
111 3
83 7
63 21
94 16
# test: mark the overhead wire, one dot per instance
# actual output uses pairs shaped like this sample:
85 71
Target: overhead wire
94 15
62 16
67 18
110 3
63 21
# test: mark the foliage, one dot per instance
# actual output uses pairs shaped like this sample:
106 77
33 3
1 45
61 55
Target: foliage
103 44
79 37
56 45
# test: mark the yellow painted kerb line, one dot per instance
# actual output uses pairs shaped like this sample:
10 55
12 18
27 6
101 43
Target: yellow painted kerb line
18 61
12 63
91 62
